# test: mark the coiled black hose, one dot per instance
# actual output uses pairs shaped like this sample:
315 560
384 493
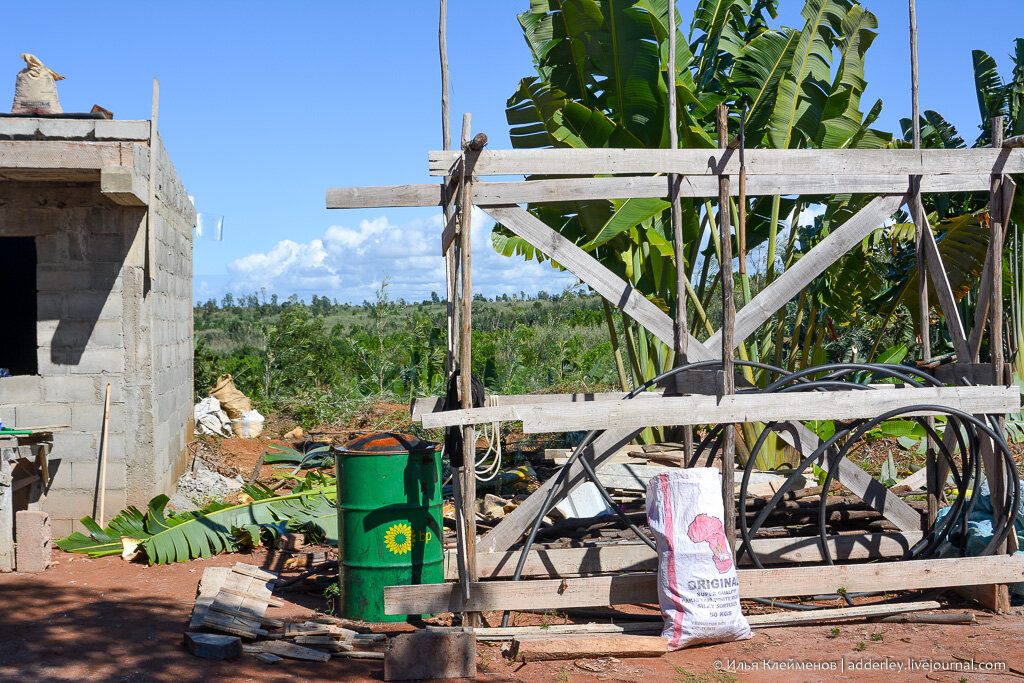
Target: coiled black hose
968 430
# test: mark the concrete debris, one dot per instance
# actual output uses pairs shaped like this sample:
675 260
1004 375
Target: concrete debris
213 645
210 419
584 502
197 489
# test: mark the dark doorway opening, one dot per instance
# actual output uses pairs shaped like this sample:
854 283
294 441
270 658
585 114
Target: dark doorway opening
18 306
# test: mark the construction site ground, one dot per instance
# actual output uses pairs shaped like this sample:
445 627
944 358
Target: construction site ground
110 620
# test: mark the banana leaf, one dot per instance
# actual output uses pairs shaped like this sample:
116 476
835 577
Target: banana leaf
214 529
319 456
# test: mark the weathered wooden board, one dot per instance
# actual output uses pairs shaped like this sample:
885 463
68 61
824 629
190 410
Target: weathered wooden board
386 196
829 162
565 562
498 633
813 263
630 589
636 187
697 409
544 648
937 272
433 404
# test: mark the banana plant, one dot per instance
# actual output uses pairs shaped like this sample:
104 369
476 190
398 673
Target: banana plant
600 81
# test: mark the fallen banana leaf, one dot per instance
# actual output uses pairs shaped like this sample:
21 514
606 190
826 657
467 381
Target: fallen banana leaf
214 529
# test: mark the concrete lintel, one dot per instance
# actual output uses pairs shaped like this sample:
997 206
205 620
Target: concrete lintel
31 128
123 186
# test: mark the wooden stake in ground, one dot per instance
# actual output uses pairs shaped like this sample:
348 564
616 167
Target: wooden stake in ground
466 361
728 330
997 476
681 331
921 225
451 288
101 492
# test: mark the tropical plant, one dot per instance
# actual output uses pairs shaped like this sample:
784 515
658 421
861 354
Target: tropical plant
215 529
600 81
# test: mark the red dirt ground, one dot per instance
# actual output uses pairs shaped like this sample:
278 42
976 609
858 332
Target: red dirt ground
109 620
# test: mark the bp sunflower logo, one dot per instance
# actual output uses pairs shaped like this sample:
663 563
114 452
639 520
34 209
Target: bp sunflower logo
398 539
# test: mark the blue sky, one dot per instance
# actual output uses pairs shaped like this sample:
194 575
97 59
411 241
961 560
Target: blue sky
263 106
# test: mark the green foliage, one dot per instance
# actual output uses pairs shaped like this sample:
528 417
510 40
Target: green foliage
318 456
214 529
321 362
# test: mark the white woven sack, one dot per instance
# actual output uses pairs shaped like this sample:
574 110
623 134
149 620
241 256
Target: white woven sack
697 585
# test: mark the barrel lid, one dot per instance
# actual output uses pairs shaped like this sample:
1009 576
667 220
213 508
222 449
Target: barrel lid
388 442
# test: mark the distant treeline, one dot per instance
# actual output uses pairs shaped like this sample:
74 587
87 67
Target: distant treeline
318 360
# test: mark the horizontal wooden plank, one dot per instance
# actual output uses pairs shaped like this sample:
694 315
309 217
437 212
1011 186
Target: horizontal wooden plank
384 196
632 589
638 187
432 404
829 162
547 647
774 619
636 557
754 407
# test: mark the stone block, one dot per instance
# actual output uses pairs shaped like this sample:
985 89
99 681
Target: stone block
107 247
213 645
34 541
69 504
61 528
76 446
122 130
20 390
47 414
85 475
88 417
99 361
70 389
63 278
430 654
50 305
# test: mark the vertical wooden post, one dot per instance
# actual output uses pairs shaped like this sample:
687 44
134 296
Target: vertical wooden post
151 206
466 362
451 265
728 332
101 494
997 474
450 259
920 225
681 328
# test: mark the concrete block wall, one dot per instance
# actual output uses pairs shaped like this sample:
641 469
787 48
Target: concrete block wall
172 343
99 321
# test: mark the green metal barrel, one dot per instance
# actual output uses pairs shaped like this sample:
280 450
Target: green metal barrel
389 520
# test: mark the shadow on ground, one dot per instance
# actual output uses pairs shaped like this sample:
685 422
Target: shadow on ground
68 633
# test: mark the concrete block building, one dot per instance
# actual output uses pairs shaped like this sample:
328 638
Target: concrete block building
90 295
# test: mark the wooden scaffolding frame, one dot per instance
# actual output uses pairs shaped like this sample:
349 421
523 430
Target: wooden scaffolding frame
897 176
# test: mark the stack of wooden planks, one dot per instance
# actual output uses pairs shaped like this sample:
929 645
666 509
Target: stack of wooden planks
235 600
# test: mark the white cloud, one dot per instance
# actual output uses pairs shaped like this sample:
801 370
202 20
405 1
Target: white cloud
350 263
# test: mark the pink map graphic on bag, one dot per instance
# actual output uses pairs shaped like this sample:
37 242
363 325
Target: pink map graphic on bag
710 529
